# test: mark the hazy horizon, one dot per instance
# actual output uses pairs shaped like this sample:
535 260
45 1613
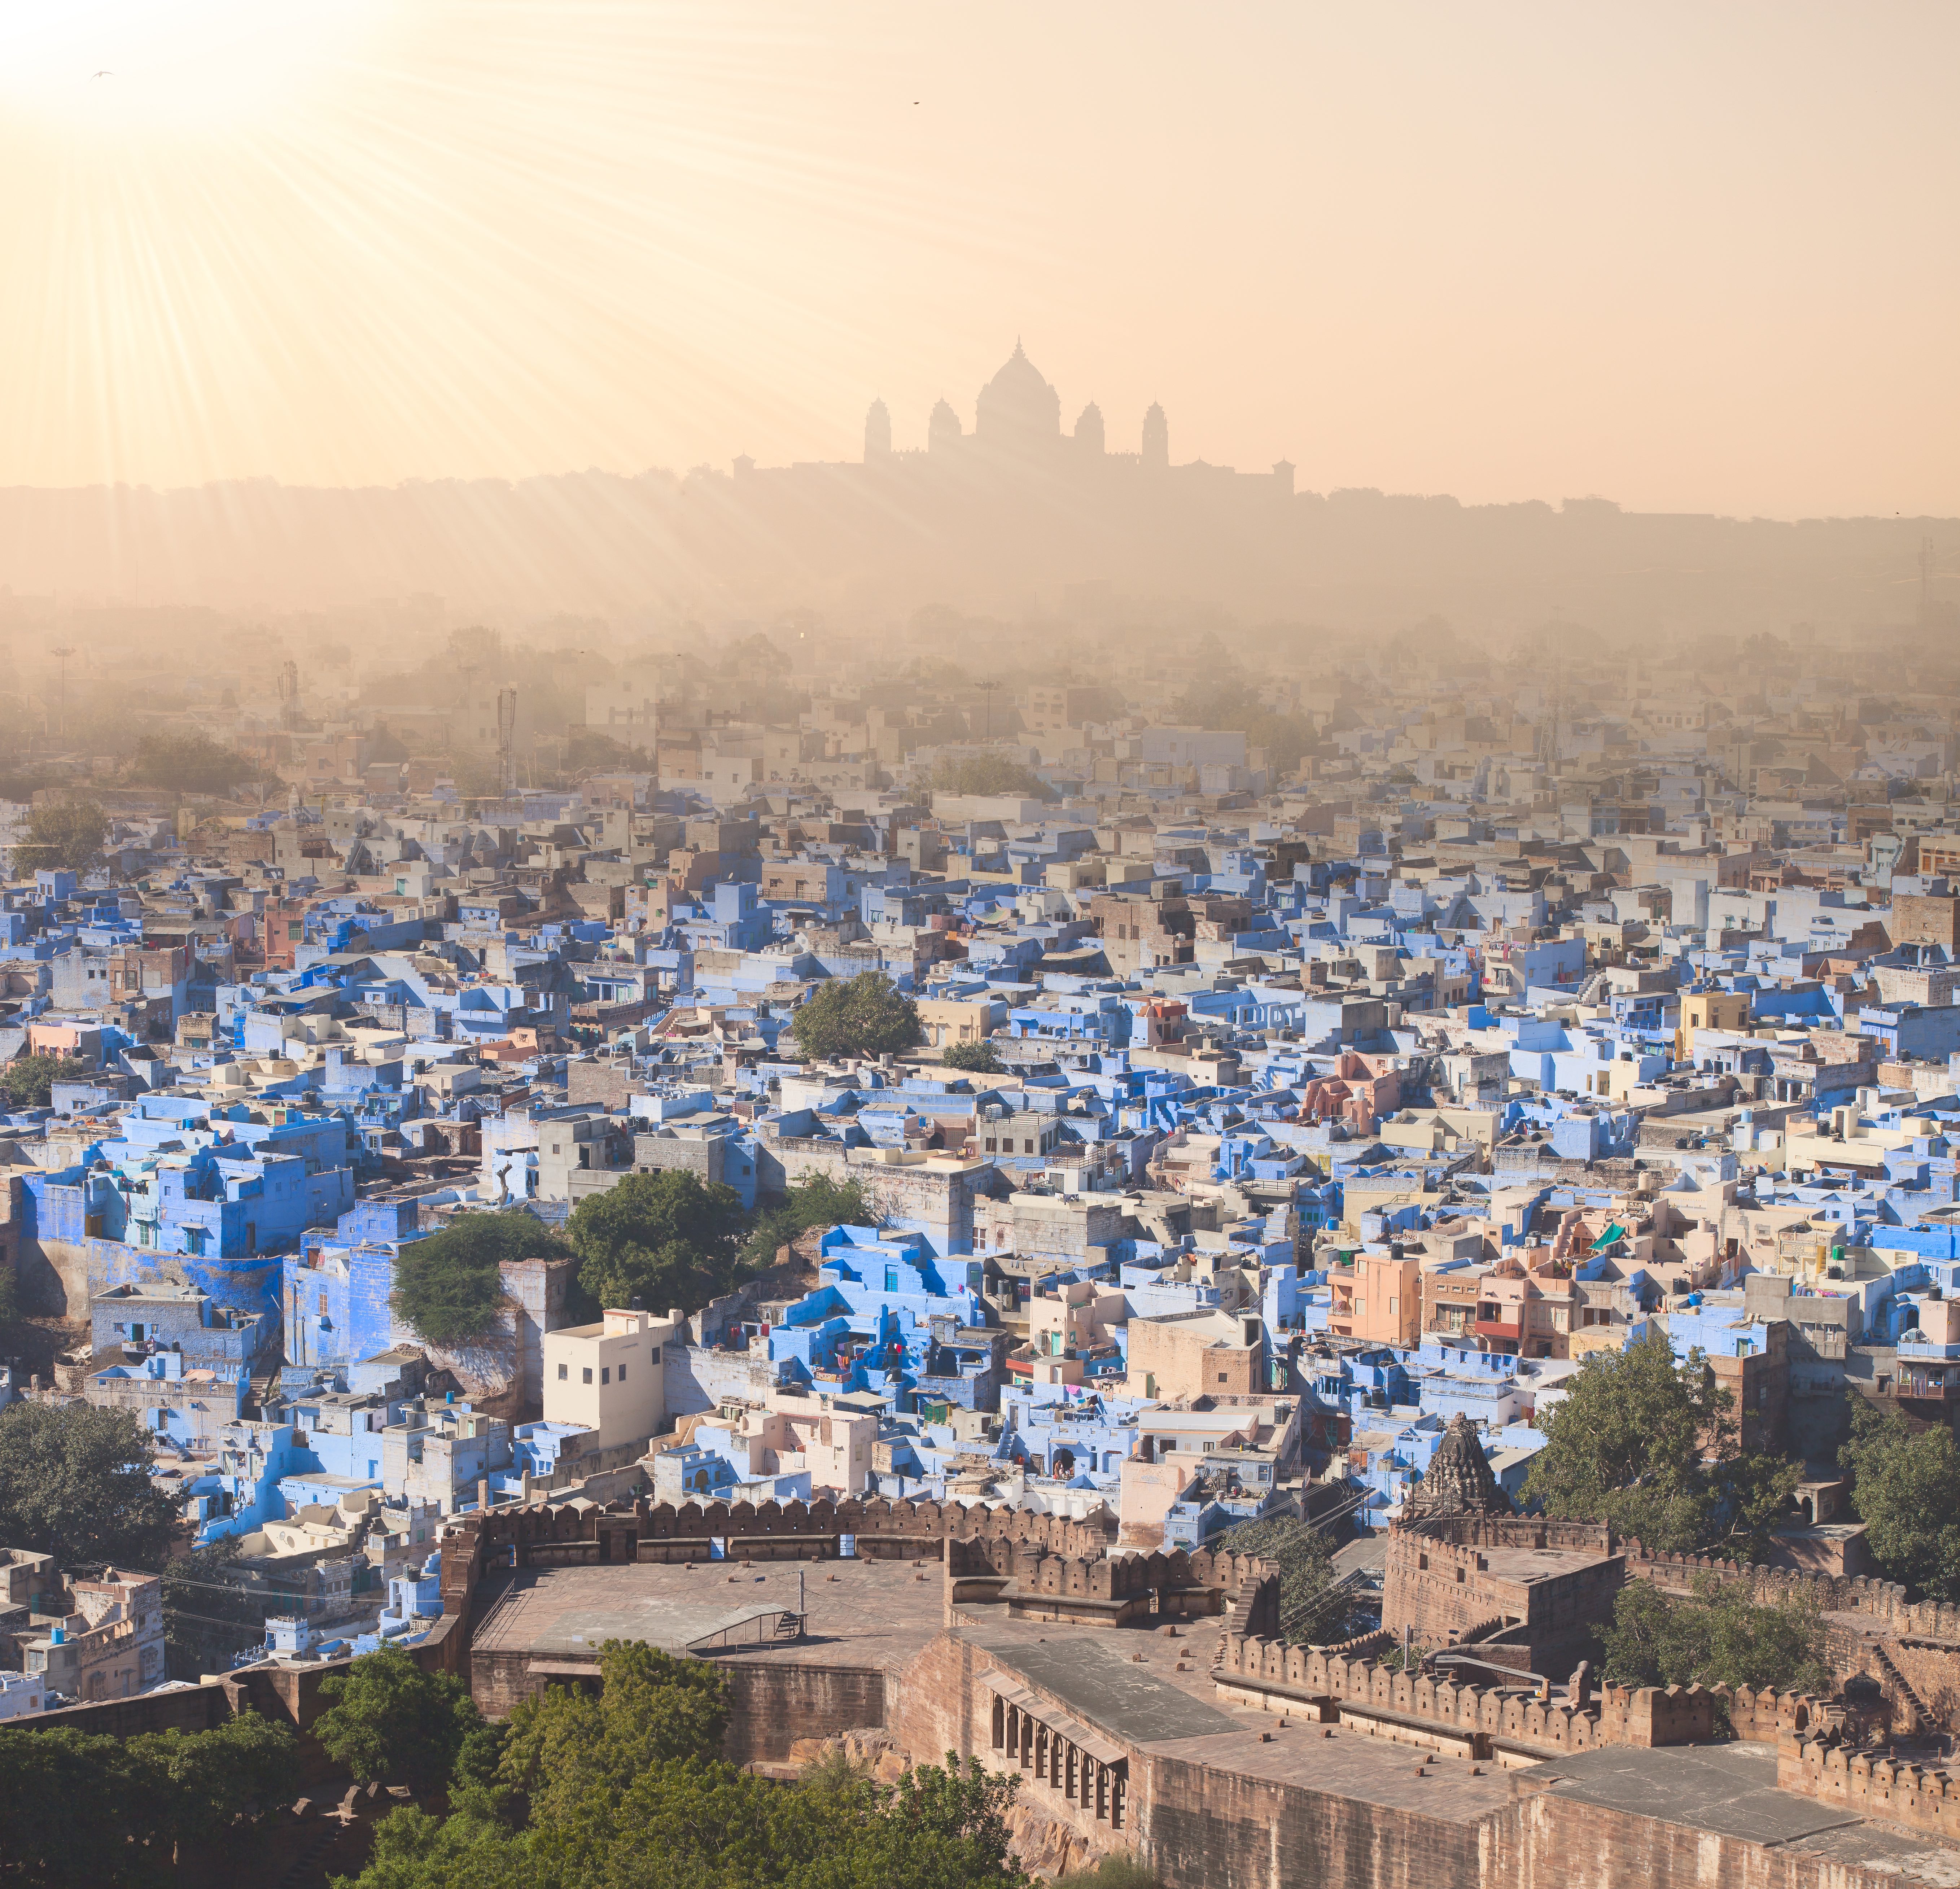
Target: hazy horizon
1682 260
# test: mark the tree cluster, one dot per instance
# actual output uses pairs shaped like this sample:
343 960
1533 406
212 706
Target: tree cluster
74 1483
28 1082
817 1201
1906 1490
191 763
977 1059
987 774
1314 1606
665 1239
448 1287
96 1813
1718 1635
1650 1446
864 1015
628 1787
63 834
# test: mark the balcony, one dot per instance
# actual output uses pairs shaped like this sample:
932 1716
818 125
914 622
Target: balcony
1930 1387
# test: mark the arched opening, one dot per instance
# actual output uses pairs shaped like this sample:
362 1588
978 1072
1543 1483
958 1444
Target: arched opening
1061 1464
1806 1512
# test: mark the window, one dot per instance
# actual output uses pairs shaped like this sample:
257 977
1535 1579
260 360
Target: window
891 1279
564 1372
1027 1147
623 1374
323 1302
605 1374
587 1374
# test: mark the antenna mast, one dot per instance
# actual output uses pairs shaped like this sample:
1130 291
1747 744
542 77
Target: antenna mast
506 727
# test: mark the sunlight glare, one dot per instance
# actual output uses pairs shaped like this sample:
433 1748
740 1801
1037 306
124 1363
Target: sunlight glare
203 66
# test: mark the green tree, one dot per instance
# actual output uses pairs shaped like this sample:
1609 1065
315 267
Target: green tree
565 1746
191 763
817 1201
28 1082
988 774
415 1850
1113 1872
74 1483
864 1015
1314 1606
43 1777
978 1058
207 1781
82 1809
666 1239
1230 705
64 834
389 1720
448 1287
1905 1488
209 1613
1718 1635
1649 1444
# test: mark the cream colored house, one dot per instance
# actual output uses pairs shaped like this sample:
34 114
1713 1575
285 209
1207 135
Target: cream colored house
609 1377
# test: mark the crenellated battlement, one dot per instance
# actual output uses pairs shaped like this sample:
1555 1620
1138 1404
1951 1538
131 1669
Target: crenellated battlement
1487 1716
1884 1601
1922 1797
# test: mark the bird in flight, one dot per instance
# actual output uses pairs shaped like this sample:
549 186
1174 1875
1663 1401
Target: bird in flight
102 75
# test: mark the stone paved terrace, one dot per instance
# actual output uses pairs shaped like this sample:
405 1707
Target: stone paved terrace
872 1613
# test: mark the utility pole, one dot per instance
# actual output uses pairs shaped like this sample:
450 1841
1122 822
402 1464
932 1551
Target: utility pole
63 651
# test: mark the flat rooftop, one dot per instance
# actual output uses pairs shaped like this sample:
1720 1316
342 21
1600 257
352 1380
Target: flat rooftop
1526 1565
870 1613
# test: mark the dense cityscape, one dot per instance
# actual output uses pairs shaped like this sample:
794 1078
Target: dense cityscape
1167 1148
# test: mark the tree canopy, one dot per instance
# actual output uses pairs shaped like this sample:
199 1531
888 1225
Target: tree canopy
99 1812
191 763
446 1286
28 1082
389 1721
1313 1606
64 834
1648 1444
1906 1489
665 1239
816 1201
1232 704
980 1058
74 1483
864 1015
1717 1637
984 774
629 1788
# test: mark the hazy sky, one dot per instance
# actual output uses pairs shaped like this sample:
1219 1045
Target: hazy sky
1688 256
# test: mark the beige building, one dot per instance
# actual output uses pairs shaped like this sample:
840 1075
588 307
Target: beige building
609 1377
111 1646
949 1020
1708 1010
1195 1354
